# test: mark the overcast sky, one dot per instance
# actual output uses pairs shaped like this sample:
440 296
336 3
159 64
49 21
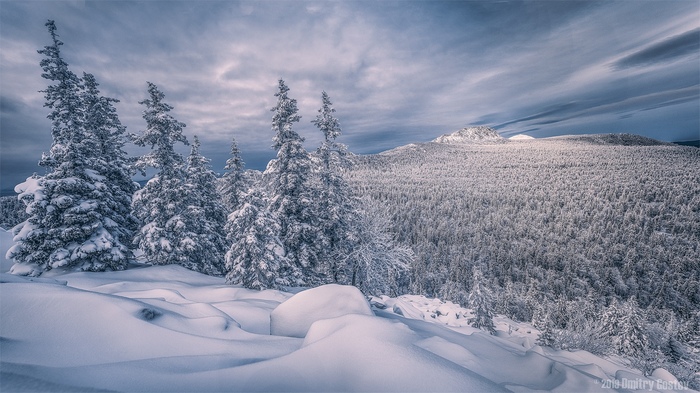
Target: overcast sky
397 71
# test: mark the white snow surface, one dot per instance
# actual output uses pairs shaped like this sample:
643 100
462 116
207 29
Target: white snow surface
521 137
295 316
168 329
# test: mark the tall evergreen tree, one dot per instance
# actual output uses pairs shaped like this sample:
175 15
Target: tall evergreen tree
481 303
631 339
112 162
231 189
76 217
162 203
205 218
256 258
289 179
63 97
624 326
336 208
546 338
611 319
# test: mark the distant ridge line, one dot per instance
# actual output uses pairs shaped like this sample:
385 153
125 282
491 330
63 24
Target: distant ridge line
695 143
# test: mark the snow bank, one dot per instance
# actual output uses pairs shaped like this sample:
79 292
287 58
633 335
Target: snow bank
168 329
294 317
383 358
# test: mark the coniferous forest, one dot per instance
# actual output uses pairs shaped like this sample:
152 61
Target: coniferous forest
296 224
593 239
565 230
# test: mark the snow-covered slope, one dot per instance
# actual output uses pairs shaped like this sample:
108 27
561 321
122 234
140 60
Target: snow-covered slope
611 139
167 329
521 137
472 135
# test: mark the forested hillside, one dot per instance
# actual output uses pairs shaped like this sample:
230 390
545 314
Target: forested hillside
562 226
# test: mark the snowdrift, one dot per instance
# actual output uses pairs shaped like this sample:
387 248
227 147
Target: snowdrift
294 317
167 329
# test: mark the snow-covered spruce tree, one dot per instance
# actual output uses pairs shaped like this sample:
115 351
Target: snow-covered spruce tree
689 332
624 326
231 183
112 162
481 303
631 339
377 264
336 208
256 257
546 338
291 191
162 203
610 320
76 218
205 217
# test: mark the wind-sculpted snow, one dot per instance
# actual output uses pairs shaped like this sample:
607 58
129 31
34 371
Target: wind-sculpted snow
295 316
169 329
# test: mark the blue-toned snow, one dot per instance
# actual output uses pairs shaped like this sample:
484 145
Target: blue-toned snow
167 329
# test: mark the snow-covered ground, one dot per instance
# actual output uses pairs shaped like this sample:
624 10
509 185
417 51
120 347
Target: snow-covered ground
167 329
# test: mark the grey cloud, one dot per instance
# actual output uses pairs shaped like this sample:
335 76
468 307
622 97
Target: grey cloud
547 112
684 44
628 106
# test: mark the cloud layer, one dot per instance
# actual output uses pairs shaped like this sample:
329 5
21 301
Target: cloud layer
397 72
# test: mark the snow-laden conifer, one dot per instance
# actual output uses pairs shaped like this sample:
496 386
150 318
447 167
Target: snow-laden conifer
611 319
336 207
481 303
63 97
289 181
205 217
256 258
546 337
162 203
623 324
631 339
231 183
77 210
112 162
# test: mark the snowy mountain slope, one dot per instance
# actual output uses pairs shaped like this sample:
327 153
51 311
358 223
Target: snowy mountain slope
594 210
168 329
612 139
521 137
562 226
473 135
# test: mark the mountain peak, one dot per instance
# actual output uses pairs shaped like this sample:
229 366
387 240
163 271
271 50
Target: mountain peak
478 134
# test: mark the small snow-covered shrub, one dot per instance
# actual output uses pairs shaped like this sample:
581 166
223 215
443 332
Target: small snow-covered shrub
149 314
585 339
